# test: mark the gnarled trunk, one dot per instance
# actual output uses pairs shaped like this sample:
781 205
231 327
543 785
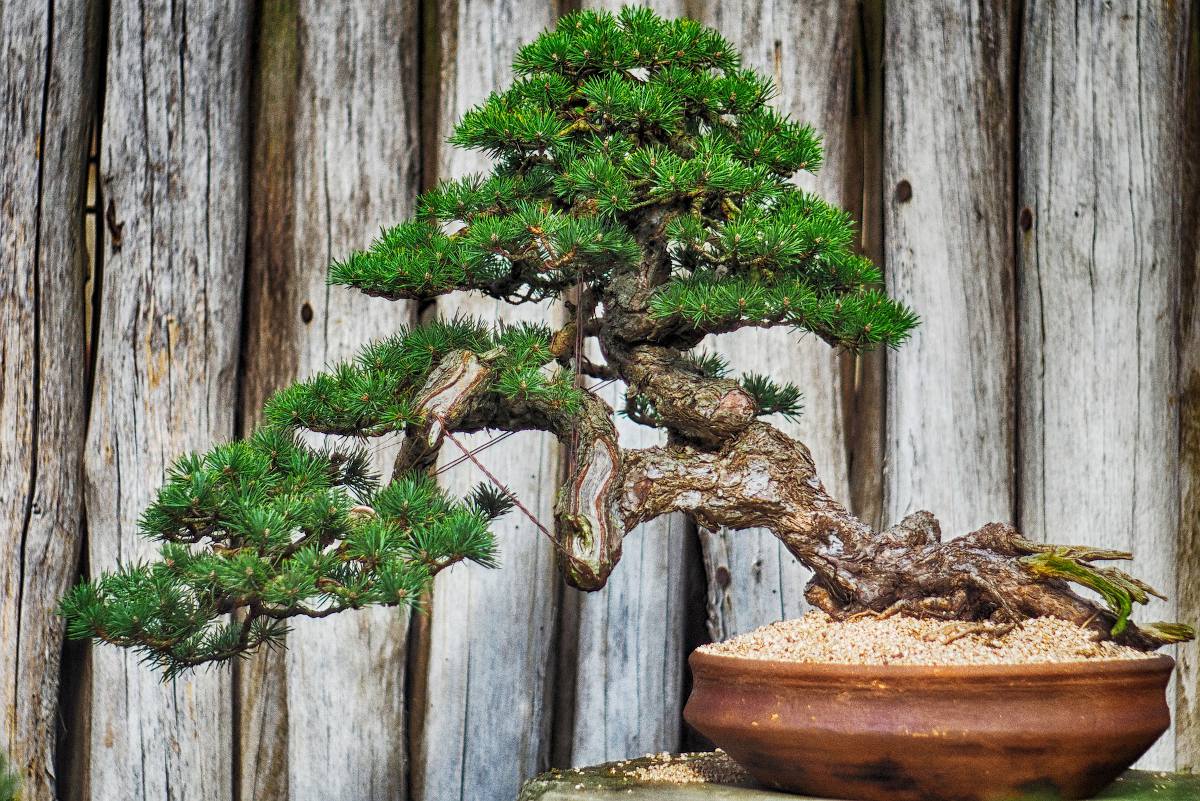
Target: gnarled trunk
725 468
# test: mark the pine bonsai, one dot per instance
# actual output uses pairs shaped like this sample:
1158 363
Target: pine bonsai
642 179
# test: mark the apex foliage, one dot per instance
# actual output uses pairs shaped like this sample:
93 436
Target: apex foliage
616 123
627 146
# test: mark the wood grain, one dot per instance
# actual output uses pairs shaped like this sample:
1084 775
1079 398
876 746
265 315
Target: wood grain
270 359
47 97
486 696
629 650
810 55
336 160
625 680
1066 395
1187 580
1100 166
173 167
947 179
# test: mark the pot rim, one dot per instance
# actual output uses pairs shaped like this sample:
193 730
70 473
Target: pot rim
761 669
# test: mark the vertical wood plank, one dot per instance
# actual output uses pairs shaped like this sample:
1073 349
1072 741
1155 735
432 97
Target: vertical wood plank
337 158
490 637
47 97
628 651
868 412
270 359
1100 169
752 580
947 176
173 168
629 663
1187 581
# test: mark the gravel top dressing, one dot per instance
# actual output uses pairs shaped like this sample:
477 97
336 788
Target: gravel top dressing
712 767
900 640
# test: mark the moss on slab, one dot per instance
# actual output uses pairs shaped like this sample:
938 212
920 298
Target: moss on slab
614 780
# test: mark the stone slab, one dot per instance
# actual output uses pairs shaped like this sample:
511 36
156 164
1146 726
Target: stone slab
615 781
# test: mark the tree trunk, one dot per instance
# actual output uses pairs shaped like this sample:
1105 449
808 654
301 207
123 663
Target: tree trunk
752 579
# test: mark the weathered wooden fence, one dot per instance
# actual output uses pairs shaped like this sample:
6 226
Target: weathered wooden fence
176 178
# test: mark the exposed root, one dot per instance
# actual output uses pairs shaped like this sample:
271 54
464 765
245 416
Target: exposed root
903 606
991 632
991 579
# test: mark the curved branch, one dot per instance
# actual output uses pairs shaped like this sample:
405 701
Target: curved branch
449 394
587 524
763 478
702 409
587 509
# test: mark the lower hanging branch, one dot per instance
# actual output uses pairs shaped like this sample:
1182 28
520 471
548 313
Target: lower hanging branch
587 509
764 479
587 531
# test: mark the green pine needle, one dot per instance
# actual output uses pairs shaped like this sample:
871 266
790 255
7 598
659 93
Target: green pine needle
612 116
773 398
253 545
1118 589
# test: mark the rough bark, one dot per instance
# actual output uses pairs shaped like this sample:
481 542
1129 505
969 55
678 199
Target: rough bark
47 97
173 175
725 469
336 159
763 478
752 580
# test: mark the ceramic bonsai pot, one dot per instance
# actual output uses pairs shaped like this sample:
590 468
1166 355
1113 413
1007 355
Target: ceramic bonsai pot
918 733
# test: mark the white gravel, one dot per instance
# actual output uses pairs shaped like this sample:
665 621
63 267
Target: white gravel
901 640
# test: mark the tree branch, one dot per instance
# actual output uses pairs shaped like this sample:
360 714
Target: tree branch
587 526
764 479
449 394
701 408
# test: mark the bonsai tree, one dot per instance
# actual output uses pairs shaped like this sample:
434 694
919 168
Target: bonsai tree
642 179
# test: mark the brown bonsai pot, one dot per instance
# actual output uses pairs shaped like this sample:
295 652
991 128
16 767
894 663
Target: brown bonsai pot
918 733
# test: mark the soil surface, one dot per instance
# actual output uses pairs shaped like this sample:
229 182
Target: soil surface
902 640
711 767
